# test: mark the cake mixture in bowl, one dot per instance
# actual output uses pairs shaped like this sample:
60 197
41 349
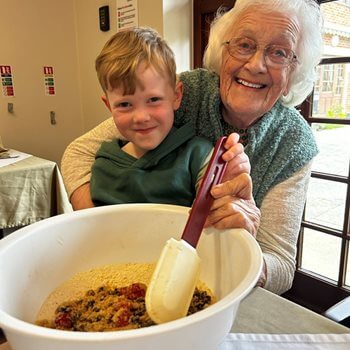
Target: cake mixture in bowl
107 299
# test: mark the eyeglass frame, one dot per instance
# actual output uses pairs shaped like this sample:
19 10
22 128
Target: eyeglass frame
293 57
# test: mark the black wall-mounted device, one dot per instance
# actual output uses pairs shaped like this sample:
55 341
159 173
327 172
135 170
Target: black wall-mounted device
104 18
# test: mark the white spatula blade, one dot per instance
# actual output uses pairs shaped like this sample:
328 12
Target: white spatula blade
170 291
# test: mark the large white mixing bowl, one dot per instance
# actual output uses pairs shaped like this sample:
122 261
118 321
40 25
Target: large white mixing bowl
36 259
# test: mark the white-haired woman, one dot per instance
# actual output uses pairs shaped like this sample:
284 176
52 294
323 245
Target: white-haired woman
260 62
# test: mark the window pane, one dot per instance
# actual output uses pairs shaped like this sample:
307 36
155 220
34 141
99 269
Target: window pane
321 253
332 91
334 144
325 203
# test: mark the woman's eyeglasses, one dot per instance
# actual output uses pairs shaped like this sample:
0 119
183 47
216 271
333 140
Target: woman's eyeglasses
275 55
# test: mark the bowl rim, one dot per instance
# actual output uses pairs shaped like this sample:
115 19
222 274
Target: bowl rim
13 324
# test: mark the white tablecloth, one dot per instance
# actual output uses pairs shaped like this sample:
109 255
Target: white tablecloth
277 342
286 342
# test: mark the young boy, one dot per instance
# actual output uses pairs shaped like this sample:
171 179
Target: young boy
156 162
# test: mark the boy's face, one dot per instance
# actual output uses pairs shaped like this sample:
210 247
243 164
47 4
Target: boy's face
145 117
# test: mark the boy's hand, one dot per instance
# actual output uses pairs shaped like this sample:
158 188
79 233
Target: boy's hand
81 197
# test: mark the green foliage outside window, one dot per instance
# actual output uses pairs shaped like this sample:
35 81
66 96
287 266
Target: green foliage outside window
336 111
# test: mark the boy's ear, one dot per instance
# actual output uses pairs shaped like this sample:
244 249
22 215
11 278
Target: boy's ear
178 95
106 102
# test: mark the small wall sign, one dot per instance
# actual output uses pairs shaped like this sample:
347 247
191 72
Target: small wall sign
127 14
49 81
7 81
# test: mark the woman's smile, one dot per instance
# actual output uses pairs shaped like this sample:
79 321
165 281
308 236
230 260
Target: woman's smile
249 84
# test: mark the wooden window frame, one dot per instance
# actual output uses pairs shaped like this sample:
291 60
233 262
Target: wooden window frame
306 282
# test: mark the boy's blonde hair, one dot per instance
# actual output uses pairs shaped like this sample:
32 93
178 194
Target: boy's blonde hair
123 53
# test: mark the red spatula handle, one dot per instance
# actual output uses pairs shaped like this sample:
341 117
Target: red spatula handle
204 200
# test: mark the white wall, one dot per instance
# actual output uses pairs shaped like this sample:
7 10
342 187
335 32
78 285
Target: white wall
178 31
34 34
65 34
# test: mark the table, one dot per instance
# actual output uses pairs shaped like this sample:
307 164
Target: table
265 312
31 189
265 319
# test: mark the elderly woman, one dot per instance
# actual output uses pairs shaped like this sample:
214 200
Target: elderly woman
260 62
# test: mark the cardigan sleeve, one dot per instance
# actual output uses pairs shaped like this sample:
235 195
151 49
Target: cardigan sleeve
281 213
80 154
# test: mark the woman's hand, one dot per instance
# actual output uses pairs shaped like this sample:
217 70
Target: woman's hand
234 205
238 161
